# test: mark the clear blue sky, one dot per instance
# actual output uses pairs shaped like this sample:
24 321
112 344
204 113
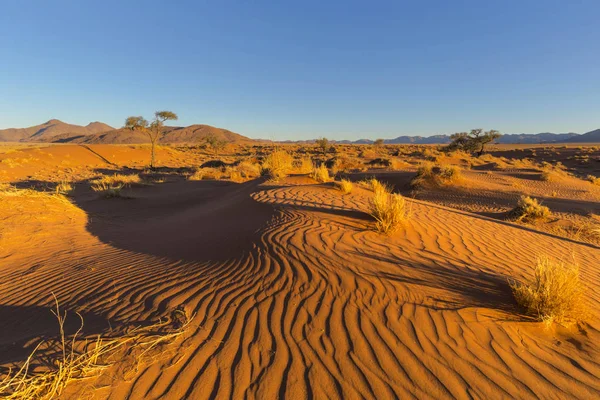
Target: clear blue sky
302 69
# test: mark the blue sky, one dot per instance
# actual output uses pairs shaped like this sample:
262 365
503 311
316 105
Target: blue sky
302 69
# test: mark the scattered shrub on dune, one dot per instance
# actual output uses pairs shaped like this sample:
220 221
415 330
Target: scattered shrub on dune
551 173
320 174
278 164
594 180
63 187
344 186
304 165
111 186
554 295
529 210
248 170
429 173
388 209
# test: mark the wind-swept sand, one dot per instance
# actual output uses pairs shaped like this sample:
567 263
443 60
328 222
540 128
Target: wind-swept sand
292 296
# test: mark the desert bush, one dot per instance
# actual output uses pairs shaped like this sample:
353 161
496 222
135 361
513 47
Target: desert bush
388 209
344 163
554 295
344 186
437 175
320 174
63 187
278 164
112 185
248 170
594 179
304 165
529 209
551 173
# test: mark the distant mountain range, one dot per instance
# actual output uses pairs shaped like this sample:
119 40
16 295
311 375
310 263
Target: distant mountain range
56 131
524 138
49 130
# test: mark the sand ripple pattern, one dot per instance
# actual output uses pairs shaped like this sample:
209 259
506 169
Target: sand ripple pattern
323 307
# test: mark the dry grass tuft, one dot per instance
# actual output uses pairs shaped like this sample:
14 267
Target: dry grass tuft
555 295
320 174
529 209
432 174
64 187
595 180
344 186
388 209
111 185
75 361
304 165
278 164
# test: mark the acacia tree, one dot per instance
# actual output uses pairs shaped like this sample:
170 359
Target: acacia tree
153 129
379 142
473 141
215 143
323 143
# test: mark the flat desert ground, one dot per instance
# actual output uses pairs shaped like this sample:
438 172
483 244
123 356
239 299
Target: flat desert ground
223 285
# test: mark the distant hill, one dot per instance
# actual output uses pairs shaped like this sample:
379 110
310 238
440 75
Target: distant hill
188 134
589 137
516 138
48 130
55 131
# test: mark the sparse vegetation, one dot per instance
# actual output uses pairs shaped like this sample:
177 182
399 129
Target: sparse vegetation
594 180
323 144
112 185
153 130
278 164
320 174
63 187
429 173
555 295
344 186
78 358
388 209
529 210
474 141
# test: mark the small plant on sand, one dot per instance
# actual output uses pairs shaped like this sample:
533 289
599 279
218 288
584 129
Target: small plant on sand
388 209
554 295
595 180
63 187
304 165
429 173
344 186
74 360
320 174
248 170
278 164
111 185
529 210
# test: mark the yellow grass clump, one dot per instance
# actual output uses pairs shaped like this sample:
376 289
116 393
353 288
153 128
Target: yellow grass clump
529 209
320 174
278 164
304 165
64 187
74 361
111 185
344 186
555 295
595 180
429 173
388 209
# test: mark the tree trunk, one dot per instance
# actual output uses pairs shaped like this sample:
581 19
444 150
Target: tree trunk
152 155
